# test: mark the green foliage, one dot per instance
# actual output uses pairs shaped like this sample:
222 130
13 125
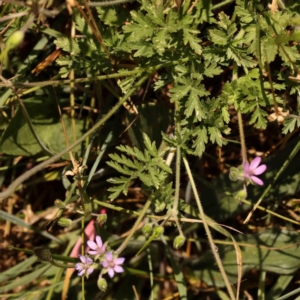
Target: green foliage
147 166
200 64
152 35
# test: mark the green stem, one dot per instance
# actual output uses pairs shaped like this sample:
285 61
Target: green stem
268 211
242 137
56 157
178 162
108 3
59 265
135 226
68 198
207 230
240 120
222 4
151 273
95 78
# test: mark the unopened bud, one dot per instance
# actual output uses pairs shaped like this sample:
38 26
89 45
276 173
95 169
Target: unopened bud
101 218
157 232
178 241
64 222
43 253
59 204
102 284
147 229
14 40
159 207
241 195
87 207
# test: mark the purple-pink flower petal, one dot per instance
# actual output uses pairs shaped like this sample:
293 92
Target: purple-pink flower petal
97 247
92 245
85 267
118 269
82 258
259 170
99 241
119 260
90 270
257 180
88 260
110 272
105 264
254 169
246 167
255 163
112 264
109 256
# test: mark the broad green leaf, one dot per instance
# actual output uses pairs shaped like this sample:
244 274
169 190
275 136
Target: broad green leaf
256 253
18 139
278 288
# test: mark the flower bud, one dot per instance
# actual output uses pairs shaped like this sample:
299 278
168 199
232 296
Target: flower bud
101 218
147 229
241 195
59 204
159 207
178 241
14 40
64 222
157 232
43 253
102 284
87 207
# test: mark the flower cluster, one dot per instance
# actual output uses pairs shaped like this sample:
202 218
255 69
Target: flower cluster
108 261
247 172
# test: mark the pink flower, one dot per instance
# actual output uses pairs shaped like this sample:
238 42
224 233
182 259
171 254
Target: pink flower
113 264
85 267
98 248
254 169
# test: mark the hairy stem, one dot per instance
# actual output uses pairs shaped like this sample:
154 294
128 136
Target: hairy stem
178 161
242 137
240 120
89 79
207 230
135 226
